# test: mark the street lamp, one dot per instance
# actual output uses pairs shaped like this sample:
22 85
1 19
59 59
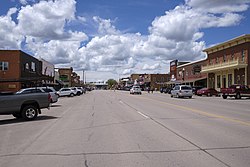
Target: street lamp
183 71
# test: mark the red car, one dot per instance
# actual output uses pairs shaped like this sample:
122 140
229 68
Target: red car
207 92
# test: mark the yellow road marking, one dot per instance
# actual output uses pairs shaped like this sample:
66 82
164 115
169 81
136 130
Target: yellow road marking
203 112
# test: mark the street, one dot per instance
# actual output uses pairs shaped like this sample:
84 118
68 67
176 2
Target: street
116 129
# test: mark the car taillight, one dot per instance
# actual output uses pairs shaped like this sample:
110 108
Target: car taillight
49 97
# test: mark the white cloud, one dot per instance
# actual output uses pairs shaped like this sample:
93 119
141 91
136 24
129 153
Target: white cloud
24 2
105 26
152 67
82 19
127 72
9 37
46 19
219 6
43 28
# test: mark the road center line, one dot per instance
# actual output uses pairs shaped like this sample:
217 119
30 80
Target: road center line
203 112
145 116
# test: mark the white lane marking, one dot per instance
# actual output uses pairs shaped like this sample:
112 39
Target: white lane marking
145 116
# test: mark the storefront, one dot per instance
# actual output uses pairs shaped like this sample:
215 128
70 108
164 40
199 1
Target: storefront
227 63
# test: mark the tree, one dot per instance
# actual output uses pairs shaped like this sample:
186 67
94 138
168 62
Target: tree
111 83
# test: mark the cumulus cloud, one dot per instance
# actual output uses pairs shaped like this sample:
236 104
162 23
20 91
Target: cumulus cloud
24 2
46 19
9 37
105 26
43 29
219 6
153 67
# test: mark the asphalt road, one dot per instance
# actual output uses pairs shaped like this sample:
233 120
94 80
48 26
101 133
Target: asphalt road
116 129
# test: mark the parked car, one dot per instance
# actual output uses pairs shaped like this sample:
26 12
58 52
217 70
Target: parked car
196 88
83 89
182 91
66 92
24 105
50 90
135 90
236 91
207 92
76 91
165 90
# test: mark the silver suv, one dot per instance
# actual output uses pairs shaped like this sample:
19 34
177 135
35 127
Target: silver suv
182 91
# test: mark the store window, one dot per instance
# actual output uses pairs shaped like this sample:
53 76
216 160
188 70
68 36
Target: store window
4 66
243 79
243 56
217 60
224 58
232 56
27 66
218 81
33 66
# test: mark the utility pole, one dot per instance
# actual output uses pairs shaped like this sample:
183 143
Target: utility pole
83 77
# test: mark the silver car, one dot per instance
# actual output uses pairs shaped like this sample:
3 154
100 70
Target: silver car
182 91
66 92
135 90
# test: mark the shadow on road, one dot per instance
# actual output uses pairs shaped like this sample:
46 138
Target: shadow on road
20 120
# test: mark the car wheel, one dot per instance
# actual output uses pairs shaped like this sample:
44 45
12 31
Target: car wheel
190 97
238 96
224 96
171 96
17 115
71 95
29 112
208 94
177 95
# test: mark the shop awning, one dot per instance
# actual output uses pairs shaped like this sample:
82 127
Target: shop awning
193 80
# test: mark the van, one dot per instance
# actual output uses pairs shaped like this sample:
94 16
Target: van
182 91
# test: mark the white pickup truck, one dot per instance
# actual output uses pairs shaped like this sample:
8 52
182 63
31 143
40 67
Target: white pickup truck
26 106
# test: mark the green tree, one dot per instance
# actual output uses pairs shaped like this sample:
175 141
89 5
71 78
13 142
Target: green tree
111 83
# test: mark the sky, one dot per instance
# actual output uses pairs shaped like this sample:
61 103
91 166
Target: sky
111 39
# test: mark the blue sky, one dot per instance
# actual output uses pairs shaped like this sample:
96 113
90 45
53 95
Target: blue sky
115 38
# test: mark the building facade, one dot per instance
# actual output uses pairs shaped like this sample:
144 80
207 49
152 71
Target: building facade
228 63
190 74
19 70
152 81
65 75
48 71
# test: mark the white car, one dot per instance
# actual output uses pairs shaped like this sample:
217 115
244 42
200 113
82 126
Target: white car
66 92
135 90
182 91
76 91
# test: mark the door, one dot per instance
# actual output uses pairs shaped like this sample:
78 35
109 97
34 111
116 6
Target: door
224 81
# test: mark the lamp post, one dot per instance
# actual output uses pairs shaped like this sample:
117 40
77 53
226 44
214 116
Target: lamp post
183 73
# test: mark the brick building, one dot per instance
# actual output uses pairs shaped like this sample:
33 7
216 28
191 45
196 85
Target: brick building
19 70
190 74
228 63
65 75
153 81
